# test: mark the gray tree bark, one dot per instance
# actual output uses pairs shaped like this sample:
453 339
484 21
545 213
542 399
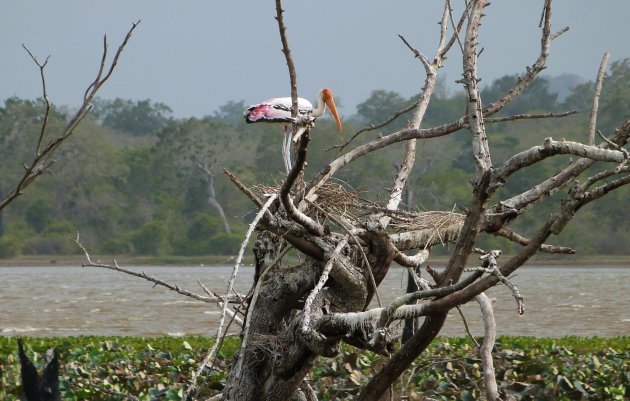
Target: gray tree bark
297 312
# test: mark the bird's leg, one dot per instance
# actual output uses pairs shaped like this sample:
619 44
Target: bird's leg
286 148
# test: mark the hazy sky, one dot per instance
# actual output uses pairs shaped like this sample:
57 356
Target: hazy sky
196 55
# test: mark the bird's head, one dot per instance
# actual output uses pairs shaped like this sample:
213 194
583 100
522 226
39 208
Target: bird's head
327 97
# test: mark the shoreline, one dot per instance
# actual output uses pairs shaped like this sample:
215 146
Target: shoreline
223 260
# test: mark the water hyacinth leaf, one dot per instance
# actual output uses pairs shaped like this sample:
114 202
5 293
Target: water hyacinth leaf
132 369
163 355
443 385
173 395
596 363
355 377
364 361
564 383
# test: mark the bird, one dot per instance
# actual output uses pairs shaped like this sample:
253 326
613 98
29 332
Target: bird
278 110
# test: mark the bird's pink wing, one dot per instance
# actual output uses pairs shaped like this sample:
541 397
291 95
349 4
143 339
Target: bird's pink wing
269 111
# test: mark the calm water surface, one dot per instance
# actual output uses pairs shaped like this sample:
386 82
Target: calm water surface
68 300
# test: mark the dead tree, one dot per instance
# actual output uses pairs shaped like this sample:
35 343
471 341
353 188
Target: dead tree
297 313
209 175
44 386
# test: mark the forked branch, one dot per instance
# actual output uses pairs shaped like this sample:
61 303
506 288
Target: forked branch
43 158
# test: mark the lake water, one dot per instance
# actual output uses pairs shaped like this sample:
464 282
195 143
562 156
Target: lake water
70 300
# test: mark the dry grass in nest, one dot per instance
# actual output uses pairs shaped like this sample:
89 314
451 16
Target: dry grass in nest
338 200
426 221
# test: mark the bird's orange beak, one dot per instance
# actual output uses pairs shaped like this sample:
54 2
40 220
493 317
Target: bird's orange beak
327 96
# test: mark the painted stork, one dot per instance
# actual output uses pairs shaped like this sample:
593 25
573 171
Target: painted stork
278 110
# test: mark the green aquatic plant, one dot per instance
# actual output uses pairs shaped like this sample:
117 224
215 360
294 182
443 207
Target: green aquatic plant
158 368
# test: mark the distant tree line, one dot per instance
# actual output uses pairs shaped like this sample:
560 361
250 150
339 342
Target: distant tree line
135 180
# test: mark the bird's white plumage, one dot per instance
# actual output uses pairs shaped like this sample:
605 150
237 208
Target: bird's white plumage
278 110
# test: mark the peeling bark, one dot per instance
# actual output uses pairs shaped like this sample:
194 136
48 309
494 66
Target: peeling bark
346 247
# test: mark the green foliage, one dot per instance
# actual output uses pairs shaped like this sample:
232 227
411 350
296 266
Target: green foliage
157 368
226 244
137 118
119 245
151 239
204 226
381 105
39 215
130 163
205 236
10 246
231 113
49 244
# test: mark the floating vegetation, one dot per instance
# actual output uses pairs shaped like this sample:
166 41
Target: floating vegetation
157 368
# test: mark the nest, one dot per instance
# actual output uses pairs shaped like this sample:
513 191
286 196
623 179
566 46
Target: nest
335 199
427 221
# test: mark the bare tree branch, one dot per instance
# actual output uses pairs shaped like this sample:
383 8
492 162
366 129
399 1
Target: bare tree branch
551 148
559 180
44 158
45 96
143 275
529 116
220 333
251 195
485 351
525 80
308 304
519 239
290 65
598 90
294 214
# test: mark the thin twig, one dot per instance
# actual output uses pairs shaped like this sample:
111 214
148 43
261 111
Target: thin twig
529 116
254 298
250 194
287 54
142 275
508 233
45 95
43 158
220 334
456 29
461 314
494 270
220 303
417 54
373 127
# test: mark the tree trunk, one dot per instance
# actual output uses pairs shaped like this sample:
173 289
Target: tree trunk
1 216
271 363
212 199
296 313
